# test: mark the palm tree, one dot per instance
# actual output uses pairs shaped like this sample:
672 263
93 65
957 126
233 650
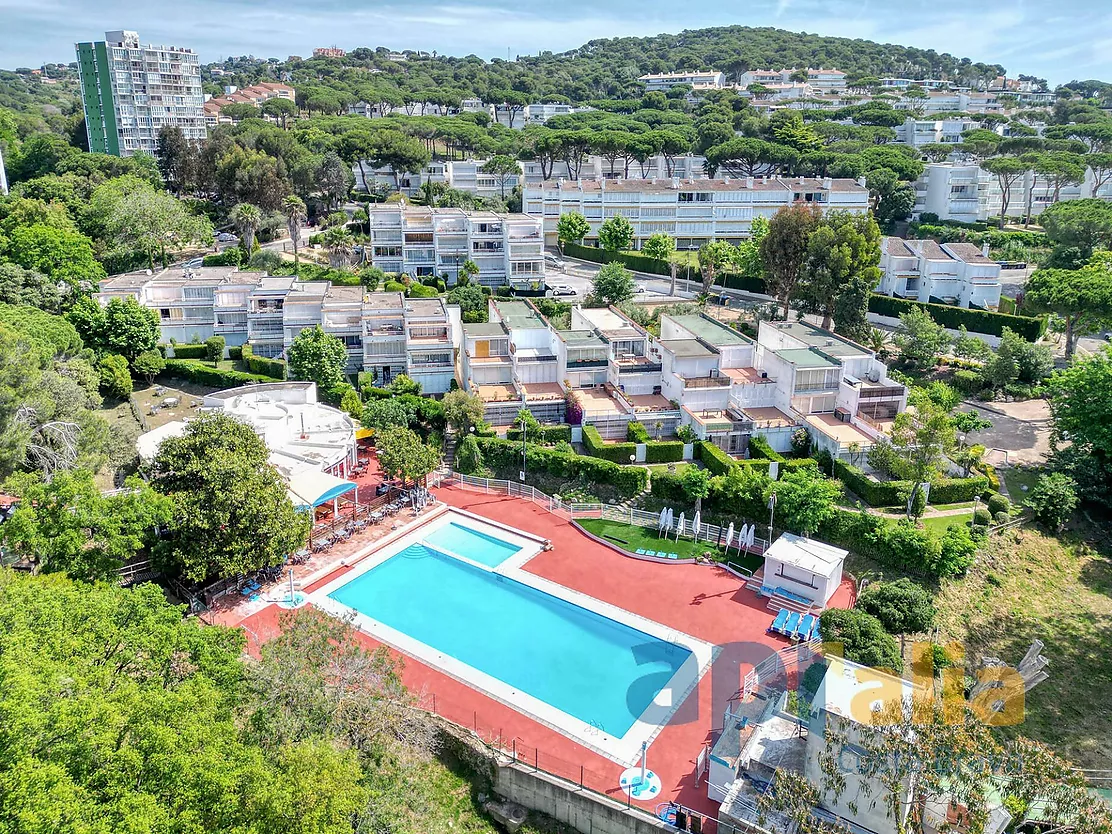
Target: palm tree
879 341
337 240
294 209
247 219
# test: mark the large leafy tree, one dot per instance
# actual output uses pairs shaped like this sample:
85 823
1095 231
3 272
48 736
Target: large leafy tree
659 246
68 524
1008 171
784 250
714 258
613 284
129 328
64 256
615 234
840 270
318 357
902 606
155 224
462 410
1081 409
231 511
804 499
403 455
502 166
1081 226
572 227
120 714
862 637
1082 297
920 338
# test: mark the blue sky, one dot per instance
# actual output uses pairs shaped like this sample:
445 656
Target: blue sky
1054 39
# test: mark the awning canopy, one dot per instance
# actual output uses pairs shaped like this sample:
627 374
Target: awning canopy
312 487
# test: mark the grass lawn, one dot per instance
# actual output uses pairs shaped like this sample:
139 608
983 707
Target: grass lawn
1029 585
1015 478
937 524
631 538
680 467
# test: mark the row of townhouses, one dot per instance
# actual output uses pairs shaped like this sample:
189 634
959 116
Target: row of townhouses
966 192
512 116
699 372
693 211
943 273
385 333
256 94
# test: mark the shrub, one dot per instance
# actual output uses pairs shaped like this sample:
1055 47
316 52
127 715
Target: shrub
956 551
115 379
801 443
505 454
393 286
898 544
235 353
469 459
1053 500
903 606
232 256
665 451
668 486
686 434
636 432
998 503
214 349
982 517
894 493
956 490
614 452
863 638
196 371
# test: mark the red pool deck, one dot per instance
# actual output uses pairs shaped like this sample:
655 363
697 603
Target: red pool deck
701 600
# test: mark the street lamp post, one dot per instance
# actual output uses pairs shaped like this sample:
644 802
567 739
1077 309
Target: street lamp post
771 515
523 446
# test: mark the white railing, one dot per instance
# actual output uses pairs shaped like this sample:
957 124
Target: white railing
710 533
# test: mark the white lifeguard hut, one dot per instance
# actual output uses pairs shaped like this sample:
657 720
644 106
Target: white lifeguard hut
804 567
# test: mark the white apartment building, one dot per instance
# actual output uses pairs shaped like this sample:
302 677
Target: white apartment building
385 333
947 273
794 375
920 132
595 167
905 83
968 193
692 211
663 82
464 175
952 101
532 114
130 92
422 241
822 80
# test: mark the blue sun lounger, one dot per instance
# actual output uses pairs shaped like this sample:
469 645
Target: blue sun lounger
793 623
815 635
805 626
780 621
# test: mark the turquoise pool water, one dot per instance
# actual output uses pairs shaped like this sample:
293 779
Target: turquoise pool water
471 544
600 671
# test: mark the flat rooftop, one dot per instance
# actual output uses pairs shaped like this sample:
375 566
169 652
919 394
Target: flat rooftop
610 324
486 328
518 315
686 348
665 184
710 331
806 358
817 337
769 417
384 301
425 307
581 338
597 402
835 429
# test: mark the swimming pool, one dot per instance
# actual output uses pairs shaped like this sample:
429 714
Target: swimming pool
601 675
602 672
457 539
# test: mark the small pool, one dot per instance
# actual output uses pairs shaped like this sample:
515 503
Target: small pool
471 544
584 664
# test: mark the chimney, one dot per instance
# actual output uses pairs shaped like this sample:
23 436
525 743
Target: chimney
726 180
602 184
984 248
827 183
861 181
675 182
748 182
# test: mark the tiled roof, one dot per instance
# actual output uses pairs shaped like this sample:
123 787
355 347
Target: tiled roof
664 184
969 253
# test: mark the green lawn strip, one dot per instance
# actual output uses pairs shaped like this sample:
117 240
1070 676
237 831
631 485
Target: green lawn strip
631 538
1018 477
680 468
937 524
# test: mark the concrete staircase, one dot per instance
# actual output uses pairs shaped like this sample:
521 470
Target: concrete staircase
777 601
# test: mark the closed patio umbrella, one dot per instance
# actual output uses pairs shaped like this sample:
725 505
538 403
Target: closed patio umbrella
679 526
695 525
662 521
671 519
729 537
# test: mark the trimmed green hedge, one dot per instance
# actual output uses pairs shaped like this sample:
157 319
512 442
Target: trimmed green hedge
599 448
190 351
714 459
638 263
275 368
636 432
894 493
550 435
976 321
202 373
898 544
759 448
664 451
235 353
503 454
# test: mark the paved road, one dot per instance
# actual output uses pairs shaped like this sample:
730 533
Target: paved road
579 275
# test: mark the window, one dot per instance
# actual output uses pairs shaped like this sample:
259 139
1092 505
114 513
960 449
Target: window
695 196
388 252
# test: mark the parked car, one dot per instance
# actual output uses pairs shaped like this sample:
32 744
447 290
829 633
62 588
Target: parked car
554 262
226 237
561 291
194 264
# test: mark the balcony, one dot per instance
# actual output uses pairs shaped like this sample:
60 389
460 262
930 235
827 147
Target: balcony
882 392
706 382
